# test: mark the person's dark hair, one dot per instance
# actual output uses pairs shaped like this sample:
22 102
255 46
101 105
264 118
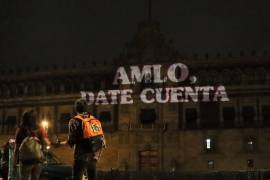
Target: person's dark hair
29 120
80 106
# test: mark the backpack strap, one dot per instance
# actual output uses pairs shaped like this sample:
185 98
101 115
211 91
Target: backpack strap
34 134
84 120
79 117
90 117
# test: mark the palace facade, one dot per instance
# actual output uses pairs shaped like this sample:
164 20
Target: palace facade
202 136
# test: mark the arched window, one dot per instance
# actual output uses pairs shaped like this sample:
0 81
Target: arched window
6 91
1 91
49 88
237 77
226 76
202 77
76 86
97 84
57 87
88 85
41 88
81 87
26 88
260 75
213 77
68 86
38 88
20 89
249 76
13 90
31 89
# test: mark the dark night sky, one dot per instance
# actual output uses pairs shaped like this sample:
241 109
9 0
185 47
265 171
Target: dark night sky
46 32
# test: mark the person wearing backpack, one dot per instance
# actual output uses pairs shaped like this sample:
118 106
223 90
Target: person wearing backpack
29 142
87 138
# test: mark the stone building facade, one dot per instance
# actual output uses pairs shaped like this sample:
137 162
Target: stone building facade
190 136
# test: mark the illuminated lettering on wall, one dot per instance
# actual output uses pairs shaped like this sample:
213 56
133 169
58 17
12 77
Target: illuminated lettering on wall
151 74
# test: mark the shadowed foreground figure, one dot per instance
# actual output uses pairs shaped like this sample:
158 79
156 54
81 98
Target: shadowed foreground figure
29 169
85 133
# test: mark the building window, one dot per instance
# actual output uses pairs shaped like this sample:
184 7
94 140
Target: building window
211 164
250 144
13 91
87 85
31 90
228 117
148 116
20 90
5 91
209 115
191 118
250 163
56 88
68 87
266 115
105 116
209 144
248 114
49 89
63 122
97 85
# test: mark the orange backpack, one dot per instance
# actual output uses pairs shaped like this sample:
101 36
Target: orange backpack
91 126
